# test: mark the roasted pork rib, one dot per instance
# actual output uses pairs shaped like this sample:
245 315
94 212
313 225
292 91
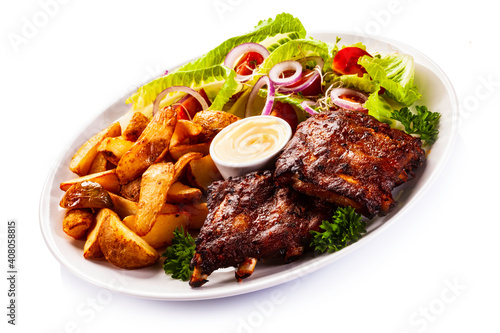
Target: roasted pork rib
251 218
349 158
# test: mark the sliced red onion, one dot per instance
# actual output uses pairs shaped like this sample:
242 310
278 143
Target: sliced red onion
240 50
276 73
306 105
312 76
187 90
268 106
336 94
304 85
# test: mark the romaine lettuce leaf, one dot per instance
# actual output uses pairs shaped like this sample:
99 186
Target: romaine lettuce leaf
218 82
270 33
293 50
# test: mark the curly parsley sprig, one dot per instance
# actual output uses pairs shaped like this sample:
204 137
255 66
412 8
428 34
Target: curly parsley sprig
424 123
179 254
346 228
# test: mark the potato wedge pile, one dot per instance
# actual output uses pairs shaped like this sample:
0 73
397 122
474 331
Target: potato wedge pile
134 186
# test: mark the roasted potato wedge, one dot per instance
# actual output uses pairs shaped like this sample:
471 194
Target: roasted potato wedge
114 148
134 129
77 222
150 147
92 249
180 193
124 207
131 190
184 130
213 122
80 162
107 179
99 164
155 184
181 150
121 246
198 214
182 163
162 232
202 172
86 194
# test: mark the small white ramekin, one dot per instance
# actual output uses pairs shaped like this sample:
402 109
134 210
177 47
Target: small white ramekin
234 169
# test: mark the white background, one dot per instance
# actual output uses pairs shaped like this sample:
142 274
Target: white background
435 270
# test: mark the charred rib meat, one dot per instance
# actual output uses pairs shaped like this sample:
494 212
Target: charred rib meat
349 158
252 218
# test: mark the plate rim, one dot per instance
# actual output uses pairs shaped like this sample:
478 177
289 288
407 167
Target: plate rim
286 275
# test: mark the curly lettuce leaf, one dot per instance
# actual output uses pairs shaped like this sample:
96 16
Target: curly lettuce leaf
395 72
270 33
218 82
379 108
353 81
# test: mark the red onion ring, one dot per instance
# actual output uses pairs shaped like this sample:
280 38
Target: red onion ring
276 73
346 104
312 77
187 90
240 50
304 85
306 105
268 106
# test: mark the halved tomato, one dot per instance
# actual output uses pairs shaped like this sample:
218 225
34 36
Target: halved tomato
286 112
346 61
187 107
248 62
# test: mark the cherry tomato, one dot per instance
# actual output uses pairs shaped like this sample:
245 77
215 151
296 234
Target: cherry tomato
346 61
286 112
190 105
314 88
248 62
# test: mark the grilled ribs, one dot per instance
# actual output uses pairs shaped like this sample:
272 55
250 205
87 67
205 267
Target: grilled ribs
349 158
251 218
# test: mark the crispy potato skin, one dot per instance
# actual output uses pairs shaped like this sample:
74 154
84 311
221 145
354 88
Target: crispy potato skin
149 148
136 126
82 160
76 222
86 194
122 247
213 122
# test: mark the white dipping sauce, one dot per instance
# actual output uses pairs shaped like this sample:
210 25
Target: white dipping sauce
249 144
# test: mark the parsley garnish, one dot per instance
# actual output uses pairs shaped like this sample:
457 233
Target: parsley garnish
423 123
346 228
179 254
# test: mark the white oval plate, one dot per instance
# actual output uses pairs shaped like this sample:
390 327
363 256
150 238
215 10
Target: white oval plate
151 282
